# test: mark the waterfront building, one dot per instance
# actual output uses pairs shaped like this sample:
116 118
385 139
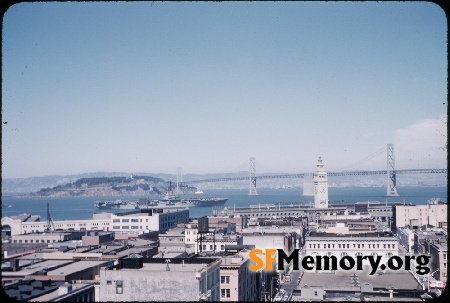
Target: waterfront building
135 222
180 279
43 237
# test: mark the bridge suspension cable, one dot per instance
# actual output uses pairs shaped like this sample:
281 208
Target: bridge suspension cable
371 156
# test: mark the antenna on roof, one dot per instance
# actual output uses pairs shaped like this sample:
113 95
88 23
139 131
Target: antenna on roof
50 225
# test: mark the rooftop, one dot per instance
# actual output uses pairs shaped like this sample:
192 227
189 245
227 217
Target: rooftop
353 279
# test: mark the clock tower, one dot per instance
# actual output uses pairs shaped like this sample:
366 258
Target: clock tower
320 186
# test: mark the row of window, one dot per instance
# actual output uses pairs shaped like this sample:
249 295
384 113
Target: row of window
354 246
225 293
222 247
31 241
128 227
128 220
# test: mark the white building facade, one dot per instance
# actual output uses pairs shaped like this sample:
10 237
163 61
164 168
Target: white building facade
341 246
132 222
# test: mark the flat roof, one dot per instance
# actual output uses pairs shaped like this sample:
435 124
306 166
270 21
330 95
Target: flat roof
36 267
75 267
344 280
173 267
55 294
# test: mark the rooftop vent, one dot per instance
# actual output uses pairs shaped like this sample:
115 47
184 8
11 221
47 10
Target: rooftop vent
64 289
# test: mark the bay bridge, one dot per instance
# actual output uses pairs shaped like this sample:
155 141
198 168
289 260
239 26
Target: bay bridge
390 172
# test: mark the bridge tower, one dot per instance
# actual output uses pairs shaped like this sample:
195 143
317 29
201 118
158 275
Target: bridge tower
392 182
320 186
252 191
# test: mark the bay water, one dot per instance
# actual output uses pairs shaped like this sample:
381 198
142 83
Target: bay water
82 208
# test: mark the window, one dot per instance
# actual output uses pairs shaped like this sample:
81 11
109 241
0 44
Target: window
108 282
225 293
134 220
134 227
116 220
125 220
119 287
116 227
225 279
125 227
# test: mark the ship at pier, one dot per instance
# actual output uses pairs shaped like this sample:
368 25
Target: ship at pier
117 204
205 202
165 202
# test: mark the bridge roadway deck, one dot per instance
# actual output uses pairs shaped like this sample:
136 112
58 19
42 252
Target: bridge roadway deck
330 174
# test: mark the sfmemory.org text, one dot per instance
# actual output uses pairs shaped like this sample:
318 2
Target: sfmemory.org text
266 257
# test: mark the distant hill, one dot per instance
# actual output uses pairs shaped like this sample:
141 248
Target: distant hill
106 186
99 184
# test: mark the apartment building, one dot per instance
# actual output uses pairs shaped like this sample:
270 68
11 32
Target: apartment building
237 282
415 216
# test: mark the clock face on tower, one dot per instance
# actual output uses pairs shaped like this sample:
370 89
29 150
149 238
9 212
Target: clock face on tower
322 189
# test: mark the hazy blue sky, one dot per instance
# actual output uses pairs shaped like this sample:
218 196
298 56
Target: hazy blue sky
149 87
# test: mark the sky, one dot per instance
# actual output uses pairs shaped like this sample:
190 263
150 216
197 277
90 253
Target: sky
154 87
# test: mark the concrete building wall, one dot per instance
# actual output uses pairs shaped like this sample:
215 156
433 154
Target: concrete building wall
432 214
140 285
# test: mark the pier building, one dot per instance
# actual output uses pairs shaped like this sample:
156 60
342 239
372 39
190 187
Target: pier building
135 222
